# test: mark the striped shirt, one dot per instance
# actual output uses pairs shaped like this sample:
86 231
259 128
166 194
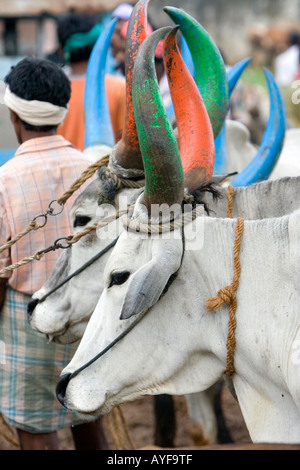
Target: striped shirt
41 171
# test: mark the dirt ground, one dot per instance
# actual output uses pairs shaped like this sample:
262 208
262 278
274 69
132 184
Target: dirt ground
139 420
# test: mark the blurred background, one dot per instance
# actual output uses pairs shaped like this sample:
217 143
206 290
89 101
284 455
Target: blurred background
262 29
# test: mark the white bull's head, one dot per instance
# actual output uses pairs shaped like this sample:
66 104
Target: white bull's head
63 306
62 314
141 272
145 336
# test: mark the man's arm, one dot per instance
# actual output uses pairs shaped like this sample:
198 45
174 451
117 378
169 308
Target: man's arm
3 282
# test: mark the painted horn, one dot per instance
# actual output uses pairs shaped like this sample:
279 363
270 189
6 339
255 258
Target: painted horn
210 72
196 139
162 162
127 151
235 72
185 52
270 148
221 157
98 127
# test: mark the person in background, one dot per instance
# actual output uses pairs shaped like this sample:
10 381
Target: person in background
286 71
123 12
286 64
117 44
42 169
76 51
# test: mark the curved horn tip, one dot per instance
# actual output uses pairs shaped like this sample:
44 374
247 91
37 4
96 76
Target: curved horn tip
269 150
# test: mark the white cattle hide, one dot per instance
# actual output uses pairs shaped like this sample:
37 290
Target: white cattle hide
178 347
241 151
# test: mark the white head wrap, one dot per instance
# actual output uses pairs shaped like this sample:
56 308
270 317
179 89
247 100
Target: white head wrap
123 11
34 112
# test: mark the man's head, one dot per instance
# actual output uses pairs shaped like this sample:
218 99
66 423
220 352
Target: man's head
122 13
37 94
77 34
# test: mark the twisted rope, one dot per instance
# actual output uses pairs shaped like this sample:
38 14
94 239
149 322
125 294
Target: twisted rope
37 256
33 225
227 295
88 173
229 196
116 424
185 218
122 182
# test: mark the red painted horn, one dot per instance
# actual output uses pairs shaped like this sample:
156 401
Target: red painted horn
127 151
196 138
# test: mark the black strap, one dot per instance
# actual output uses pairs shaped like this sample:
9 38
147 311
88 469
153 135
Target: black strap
132 325
78 271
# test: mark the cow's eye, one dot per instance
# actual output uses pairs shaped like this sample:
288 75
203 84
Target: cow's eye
118 278
81 220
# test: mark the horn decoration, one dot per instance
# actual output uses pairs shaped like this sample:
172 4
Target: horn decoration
127 151
162 161
210 72
196 139
220 143
98 127
269 150
235 72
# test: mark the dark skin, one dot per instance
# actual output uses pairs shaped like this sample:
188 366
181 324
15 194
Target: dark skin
89 436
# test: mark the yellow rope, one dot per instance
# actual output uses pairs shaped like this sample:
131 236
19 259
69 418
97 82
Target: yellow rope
228 296
37 256
116 426
229 195
88 173
33 225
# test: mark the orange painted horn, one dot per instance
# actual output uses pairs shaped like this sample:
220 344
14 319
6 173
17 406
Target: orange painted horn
196 138
127 151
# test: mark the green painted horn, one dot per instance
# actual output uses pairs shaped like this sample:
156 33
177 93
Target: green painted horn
127 151
210 72
162 162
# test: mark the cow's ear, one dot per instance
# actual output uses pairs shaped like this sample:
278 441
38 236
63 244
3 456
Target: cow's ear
146 286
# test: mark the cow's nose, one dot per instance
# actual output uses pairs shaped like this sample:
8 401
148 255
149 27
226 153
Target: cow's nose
30 307
61 388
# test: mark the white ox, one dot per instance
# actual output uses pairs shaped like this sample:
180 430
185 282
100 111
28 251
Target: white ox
64 314
180 348
74 307
241 151
173 345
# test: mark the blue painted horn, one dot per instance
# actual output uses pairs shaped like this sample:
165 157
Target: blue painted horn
220 142
270 148
235 72
98 127
210 72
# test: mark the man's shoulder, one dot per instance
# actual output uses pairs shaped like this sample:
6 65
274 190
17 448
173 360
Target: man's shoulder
114 80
